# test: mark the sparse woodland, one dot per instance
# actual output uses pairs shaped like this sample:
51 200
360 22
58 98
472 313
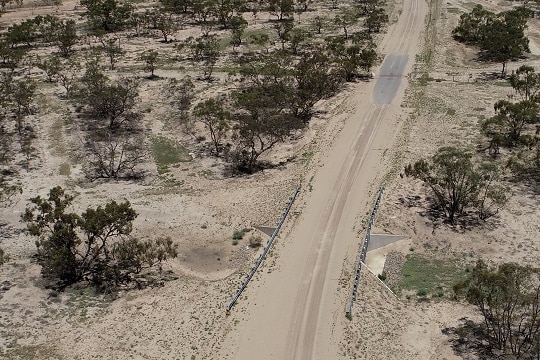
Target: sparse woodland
469 184
137 87
459 183
275 74
271 62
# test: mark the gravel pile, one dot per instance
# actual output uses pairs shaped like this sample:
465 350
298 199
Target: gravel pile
392 268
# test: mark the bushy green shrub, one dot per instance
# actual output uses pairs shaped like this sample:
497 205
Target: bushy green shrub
238 235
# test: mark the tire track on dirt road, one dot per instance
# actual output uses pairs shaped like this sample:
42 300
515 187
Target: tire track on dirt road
290 316
303 332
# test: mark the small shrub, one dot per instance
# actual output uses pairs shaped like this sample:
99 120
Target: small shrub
235 242
421 292
2 257
169 152
204 226
64 169
238 235
382 276
255 241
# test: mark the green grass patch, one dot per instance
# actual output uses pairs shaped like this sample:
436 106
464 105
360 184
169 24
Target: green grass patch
421 292
168 152
433 277
451 111
168 180
453 10
64 169
227 69
246 36
224 42
306 157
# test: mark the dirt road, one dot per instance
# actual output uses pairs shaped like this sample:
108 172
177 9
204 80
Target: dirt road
296 312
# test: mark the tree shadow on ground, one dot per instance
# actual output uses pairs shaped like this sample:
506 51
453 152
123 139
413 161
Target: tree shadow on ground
490 76
7 231
468 340
528 183
467 221
236 170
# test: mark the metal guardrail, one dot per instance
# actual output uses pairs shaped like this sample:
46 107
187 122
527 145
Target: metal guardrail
265 251
362 256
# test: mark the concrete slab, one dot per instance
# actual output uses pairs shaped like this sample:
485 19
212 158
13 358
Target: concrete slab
376 257
379 240
266 229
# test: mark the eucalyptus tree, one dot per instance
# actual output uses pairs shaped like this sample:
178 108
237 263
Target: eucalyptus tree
507 297
216 119
455 182
94 247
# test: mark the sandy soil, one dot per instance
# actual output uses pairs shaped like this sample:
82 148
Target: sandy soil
294 307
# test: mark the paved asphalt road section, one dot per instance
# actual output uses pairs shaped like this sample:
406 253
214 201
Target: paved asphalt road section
390 75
